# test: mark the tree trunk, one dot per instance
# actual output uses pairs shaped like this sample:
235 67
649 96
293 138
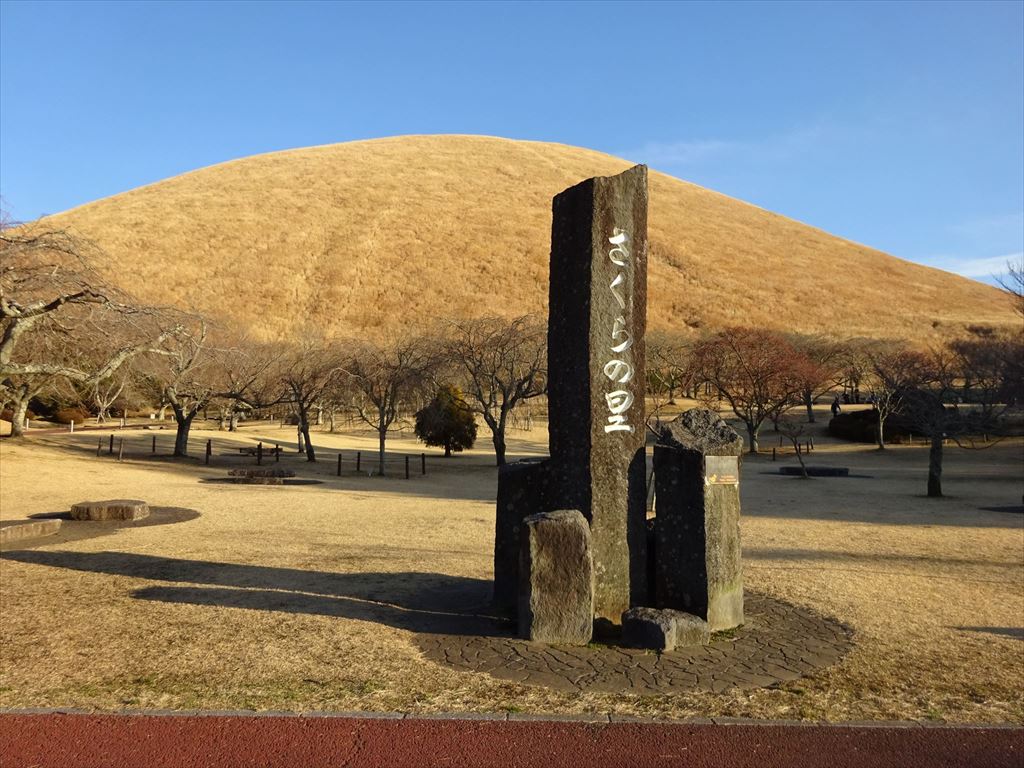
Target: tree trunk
233 422
184 422
752 436
499 448
163 413
880 436
18 417
447 450
809 402
310 452
382 436
935 467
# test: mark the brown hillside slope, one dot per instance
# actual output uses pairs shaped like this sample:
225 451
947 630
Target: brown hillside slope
373 236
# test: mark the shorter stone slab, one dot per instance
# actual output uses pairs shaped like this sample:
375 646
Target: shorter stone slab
556 579
662 629
111 509
30 529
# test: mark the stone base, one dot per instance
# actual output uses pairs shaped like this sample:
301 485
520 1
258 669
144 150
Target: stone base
662 629
112 509
556 579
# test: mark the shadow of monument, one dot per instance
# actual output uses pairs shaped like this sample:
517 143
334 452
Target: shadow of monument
1017 633
418 602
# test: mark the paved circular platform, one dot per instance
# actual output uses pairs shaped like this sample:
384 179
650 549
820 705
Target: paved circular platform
778 642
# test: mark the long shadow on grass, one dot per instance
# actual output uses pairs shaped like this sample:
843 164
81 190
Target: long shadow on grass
419 602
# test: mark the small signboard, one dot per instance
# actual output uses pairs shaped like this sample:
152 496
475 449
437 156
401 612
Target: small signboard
721 470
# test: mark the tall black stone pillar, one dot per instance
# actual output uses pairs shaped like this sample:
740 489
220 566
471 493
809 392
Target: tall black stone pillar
596 375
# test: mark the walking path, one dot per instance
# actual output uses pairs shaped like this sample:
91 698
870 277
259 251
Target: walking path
45 739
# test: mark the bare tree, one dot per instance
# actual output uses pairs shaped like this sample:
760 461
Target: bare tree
383 378
59 319
191 369
669 364
1013 283
827 356
309 370
502 363
757 372
896 372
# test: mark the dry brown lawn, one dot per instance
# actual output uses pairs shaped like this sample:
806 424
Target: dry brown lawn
309 597
372 236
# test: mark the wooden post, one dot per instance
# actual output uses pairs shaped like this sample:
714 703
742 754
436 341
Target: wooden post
259 453
110 448
71 427
359 458
339 465
154 444
407 467
120 449
209 450
423 463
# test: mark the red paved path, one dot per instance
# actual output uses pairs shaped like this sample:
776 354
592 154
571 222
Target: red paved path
215 741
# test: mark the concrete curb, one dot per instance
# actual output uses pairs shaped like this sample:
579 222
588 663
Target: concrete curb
523 717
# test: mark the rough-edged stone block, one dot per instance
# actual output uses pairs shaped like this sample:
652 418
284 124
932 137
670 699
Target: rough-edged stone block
697 502
662 629
112 509
556 579
691 630
649 628
522 491
596 362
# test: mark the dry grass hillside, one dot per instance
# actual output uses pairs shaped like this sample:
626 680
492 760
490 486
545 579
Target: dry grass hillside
373 236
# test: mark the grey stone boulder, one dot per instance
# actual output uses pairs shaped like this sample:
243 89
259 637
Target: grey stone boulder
556 579
111 509
662 629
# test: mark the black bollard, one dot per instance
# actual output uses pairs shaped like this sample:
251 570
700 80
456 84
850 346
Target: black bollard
423 463
154 445
339 465
406 467
277 452
99 446
359 458
110 449
773 453
259 453
209 450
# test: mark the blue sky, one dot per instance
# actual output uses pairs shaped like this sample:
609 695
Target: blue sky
898 125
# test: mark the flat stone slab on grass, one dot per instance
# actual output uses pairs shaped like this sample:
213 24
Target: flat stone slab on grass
779 642
28 529
817 471
112 509
258 476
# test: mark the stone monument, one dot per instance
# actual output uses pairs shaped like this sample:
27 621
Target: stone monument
596 376
697 531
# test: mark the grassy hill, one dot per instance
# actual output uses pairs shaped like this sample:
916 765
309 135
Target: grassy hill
374 236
